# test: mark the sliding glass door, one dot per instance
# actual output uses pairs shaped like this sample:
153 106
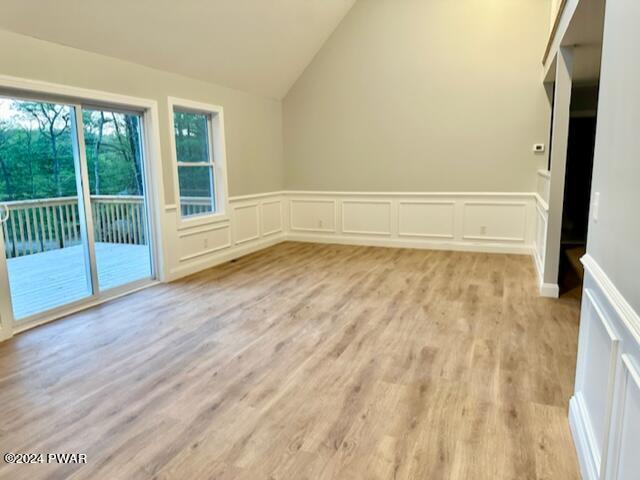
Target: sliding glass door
44 232
73 197
113 142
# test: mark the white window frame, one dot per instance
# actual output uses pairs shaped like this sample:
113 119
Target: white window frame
217 161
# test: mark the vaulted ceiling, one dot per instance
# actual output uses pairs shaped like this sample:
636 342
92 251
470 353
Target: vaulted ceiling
260 46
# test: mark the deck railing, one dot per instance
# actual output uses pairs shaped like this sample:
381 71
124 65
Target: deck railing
46 224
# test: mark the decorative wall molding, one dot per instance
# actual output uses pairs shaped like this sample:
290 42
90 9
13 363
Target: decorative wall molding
272 217
595 381
222 255
625 311
246 222
507 219
484 221
426 218
366 217
623 463
543 187
251 226
212 239
580 440
495 222
604 413
551 290
313 215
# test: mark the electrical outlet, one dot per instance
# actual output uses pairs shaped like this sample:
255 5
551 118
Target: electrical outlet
538 147
483 230
320 223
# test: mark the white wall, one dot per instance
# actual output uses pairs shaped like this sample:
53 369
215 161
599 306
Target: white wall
605 410
422 95
614 239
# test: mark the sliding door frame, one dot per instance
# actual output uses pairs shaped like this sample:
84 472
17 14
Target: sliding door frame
77 98
84 206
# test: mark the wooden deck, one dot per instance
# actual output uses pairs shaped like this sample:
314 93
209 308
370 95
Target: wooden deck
49 279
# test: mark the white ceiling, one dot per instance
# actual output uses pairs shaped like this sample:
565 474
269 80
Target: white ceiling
260 46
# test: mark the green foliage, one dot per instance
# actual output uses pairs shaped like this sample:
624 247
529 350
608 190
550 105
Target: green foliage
112 143
37 158
191 133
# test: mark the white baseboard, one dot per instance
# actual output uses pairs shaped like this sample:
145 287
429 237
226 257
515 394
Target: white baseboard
580 440
550 290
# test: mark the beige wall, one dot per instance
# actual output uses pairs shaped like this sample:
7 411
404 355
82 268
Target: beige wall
614 240
422 95
253 124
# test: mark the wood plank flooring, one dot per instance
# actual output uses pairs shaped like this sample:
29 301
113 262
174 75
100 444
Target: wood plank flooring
304 361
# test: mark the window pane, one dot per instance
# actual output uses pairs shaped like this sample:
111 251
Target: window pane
196 194
114 154
192 138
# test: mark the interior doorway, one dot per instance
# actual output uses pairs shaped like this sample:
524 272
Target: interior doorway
577 188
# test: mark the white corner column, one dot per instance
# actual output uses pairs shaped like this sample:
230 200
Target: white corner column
559 145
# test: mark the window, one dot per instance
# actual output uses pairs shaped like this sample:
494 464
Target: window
199 154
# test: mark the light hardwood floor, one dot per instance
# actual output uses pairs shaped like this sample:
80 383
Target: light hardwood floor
305 361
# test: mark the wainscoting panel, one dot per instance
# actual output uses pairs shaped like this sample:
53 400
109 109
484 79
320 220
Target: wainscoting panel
366 217
431 219
488 222
255 222
595 374
203 241
625 460
540 245
482 222
246 223
271 217
541 235
604 412
497 221
544 184
313 215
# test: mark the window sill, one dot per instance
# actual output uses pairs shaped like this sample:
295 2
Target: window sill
201 220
